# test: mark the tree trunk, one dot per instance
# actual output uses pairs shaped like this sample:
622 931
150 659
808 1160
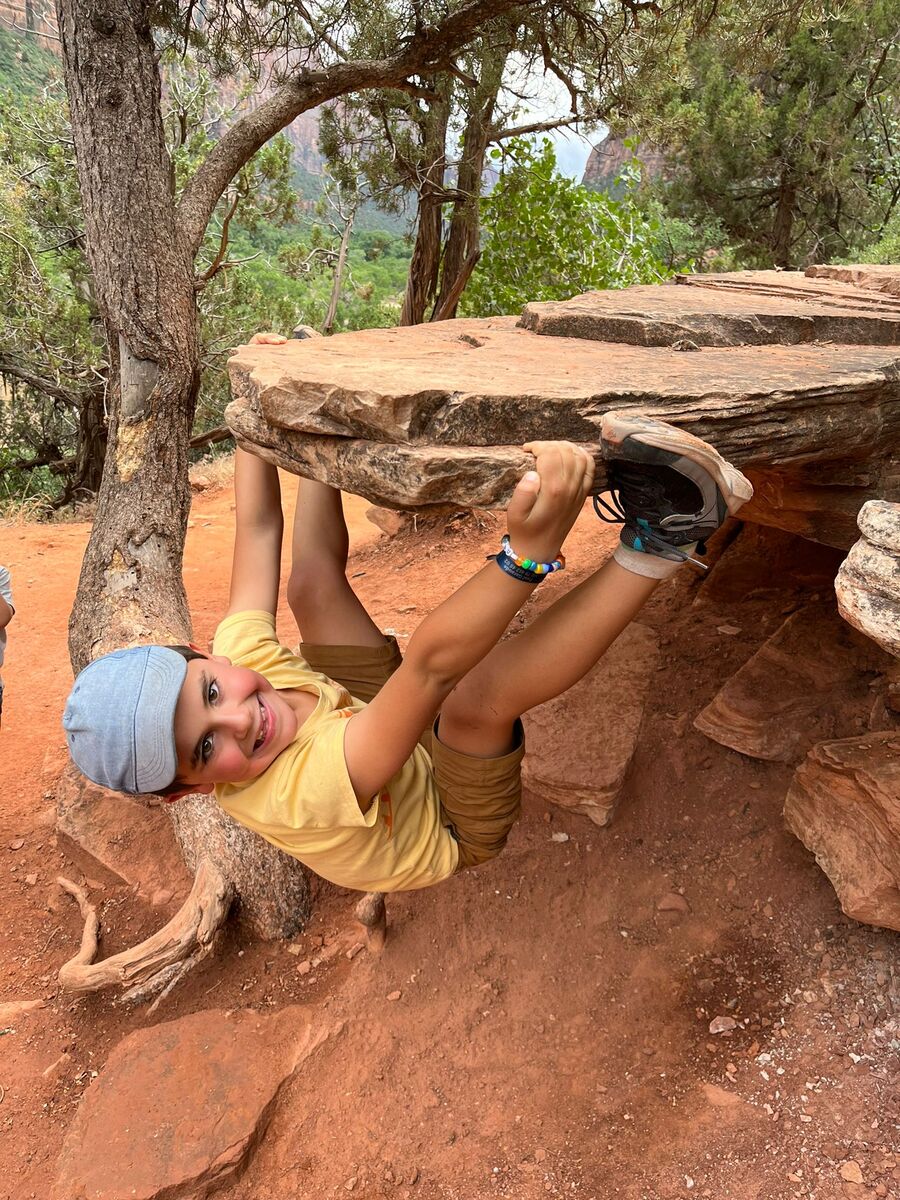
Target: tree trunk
426 257
461 249
783 224
131 587
339 272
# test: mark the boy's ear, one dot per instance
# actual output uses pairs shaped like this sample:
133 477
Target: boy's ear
190 791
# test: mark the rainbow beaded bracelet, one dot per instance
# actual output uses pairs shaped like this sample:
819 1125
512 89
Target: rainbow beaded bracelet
526 569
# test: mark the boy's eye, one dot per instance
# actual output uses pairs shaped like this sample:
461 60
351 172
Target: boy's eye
206 749
212 692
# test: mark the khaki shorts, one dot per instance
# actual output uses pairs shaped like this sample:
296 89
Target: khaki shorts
481 798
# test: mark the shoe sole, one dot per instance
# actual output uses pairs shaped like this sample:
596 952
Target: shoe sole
618 427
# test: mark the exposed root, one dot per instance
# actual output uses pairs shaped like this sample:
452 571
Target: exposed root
157 964
372 915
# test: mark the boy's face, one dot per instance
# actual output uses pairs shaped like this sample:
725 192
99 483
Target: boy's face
230 724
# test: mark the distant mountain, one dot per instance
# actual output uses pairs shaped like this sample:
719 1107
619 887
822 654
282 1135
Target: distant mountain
34 19
29 27
609 157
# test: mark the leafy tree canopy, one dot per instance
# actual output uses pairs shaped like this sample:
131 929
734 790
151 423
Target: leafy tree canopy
787 138
549 238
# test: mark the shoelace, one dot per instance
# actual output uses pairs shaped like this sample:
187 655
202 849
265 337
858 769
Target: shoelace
644 493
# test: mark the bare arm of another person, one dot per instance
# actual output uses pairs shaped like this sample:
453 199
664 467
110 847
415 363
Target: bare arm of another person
462 630
6 609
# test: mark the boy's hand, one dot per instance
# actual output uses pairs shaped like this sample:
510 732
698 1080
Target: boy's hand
267 339
547 500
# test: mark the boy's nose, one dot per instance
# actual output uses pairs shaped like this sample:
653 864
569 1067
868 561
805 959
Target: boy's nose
238 720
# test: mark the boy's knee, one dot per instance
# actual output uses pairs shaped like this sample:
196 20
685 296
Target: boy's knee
471 720
313 584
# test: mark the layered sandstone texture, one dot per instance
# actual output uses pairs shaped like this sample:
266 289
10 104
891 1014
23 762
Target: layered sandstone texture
844 804
844 800
794 377
868 583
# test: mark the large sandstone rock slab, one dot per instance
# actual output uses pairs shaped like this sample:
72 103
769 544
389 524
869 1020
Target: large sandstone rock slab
809 681
877 278
868 583
179 1108
746 308
116 839
579 746
844 804
436 414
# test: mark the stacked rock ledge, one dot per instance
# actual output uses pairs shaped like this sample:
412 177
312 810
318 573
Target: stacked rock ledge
797 382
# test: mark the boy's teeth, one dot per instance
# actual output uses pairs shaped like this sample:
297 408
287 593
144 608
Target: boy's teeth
263 725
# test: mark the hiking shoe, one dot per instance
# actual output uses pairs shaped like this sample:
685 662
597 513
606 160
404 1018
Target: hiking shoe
668 488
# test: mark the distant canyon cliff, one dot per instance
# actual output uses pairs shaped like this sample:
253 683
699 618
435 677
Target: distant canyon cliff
37 18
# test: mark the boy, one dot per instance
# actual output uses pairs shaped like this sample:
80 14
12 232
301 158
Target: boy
6 615
324 754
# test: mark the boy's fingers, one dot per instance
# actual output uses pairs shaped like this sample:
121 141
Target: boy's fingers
524 497
267 339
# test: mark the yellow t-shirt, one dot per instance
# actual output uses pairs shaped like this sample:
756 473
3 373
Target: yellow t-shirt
305 804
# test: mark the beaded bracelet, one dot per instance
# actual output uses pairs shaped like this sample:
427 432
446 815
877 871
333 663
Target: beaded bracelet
526 570
539 568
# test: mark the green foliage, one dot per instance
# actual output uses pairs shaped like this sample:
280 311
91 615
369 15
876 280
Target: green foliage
52 343
785 140
546 237
25 66
885 249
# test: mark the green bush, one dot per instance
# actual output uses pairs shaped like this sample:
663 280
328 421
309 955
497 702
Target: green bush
546 237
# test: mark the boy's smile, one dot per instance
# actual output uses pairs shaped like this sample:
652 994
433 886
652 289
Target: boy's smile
230 724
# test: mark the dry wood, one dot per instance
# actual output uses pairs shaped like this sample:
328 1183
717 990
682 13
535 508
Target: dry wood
161 960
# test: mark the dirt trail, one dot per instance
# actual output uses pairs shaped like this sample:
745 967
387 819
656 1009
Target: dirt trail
551 1037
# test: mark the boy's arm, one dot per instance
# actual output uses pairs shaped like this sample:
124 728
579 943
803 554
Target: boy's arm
259 525
6 609
462 630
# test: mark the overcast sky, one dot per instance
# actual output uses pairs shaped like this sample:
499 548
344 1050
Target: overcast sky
552 100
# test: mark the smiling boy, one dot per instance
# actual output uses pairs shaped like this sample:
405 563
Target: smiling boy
322 751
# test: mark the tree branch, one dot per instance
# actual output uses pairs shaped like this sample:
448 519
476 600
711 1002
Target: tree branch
40 384
216 263
538 127
424 50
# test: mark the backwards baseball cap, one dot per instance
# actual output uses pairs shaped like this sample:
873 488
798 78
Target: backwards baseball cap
120 718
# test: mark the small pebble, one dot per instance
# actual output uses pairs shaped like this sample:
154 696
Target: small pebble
722 1025
851 1171
17 844
394 995
304 968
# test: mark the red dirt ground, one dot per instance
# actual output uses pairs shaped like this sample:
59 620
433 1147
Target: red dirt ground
551 1038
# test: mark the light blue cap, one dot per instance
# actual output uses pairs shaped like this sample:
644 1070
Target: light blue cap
120 718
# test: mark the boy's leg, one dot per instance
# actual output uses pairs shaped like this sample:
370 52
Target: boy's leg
670 490
327 610
550 655
338 637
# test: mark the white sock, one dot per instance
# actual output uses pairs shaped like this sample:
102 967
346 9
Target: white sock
651 566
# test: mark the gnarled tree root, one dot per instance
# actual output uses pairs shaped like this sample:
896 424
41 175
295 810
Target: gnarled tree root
157 964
